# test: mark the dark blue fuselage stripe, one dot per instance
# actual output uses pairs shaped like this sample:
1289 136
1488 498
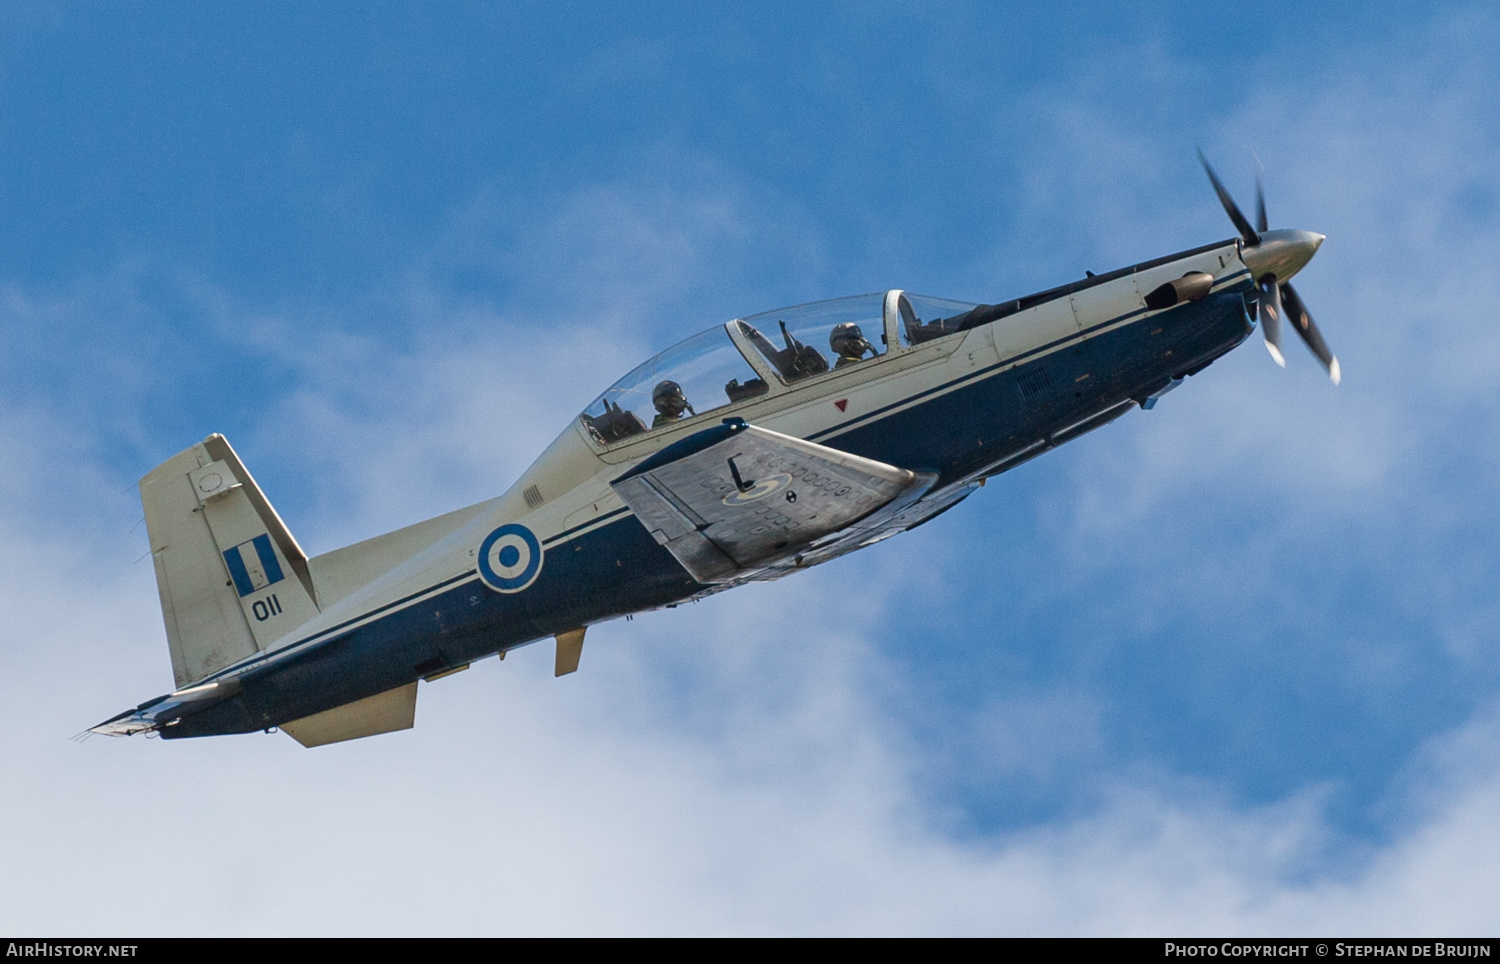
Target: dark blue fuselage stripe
991 369
379 610
552 540
317 636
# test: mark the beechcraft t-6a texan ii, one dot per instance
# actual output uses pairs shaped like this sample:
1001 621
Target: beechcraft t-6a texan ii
759 447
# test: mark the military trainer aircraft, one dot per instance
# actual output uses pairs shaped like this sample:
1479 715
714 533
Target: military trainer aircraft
749 451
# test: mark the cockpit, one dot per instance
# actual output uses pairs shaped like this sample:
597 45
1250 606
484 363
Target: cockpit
744 358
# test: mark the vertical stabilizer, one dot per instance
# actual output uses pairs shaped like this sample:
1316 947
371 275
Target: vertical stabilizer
230 576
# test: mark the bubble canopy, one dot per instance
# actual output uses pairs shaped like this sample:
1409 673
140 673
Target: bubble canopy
708 371
704 372
810 339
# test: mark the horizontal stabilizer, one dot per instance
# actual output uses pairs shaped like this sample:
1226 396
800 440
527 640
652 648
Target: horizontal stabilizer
382 713
164 710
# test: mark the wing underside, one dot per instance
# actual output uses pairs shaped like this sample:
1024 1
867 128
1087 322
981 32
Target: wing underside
737 498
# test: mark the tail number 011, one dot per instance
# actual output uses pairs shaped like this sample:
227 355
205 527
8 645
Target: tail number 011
265 608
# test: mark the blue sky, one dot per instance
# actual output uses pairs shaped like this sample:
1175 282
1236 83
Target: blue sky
1228 665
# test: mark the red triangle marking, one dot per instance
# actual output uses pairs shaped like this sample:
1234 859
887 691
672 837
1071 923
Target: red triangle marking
841 404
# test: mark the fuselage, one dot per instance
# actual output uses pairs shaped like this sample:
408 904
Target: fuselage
1029 375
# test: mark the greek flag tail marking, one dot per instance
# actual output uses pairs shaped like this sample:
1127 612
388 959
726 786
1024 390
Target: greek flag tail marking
252 565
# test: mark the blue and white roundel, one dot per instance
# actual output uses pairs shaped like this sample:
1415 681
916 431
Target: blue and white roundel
510 558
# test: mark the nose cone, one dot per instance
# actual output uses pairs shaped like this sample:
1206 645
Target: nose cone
1281 253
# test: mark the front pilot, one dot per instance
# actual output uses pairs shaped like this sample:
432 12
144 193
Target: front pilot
848 342
670 403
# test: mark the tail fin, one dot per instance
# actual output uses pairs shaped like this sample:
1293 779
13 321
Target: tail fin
231 577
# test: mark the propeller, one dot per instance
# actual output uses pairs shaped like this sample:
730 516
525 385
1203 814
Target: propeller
1273 256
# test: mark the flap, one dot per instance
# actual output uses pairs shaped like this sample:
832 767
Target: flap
737 496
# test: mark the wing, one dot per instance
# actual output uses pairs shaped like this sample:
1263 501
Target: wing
736 498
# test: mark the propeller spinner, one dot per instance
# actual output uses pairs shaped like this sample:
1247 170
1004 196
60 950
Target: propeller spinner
1273 256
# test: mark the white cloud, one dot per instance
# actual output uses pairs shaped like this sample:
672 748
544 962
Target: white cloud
699 775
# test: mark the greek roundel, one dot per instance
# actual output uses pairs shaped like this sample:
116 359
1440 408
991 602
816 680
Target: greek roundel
510 558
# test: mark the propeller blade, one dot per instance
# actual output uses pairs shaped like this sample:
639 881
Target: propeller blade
1270 316
1303 325
1260 205
1230 208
